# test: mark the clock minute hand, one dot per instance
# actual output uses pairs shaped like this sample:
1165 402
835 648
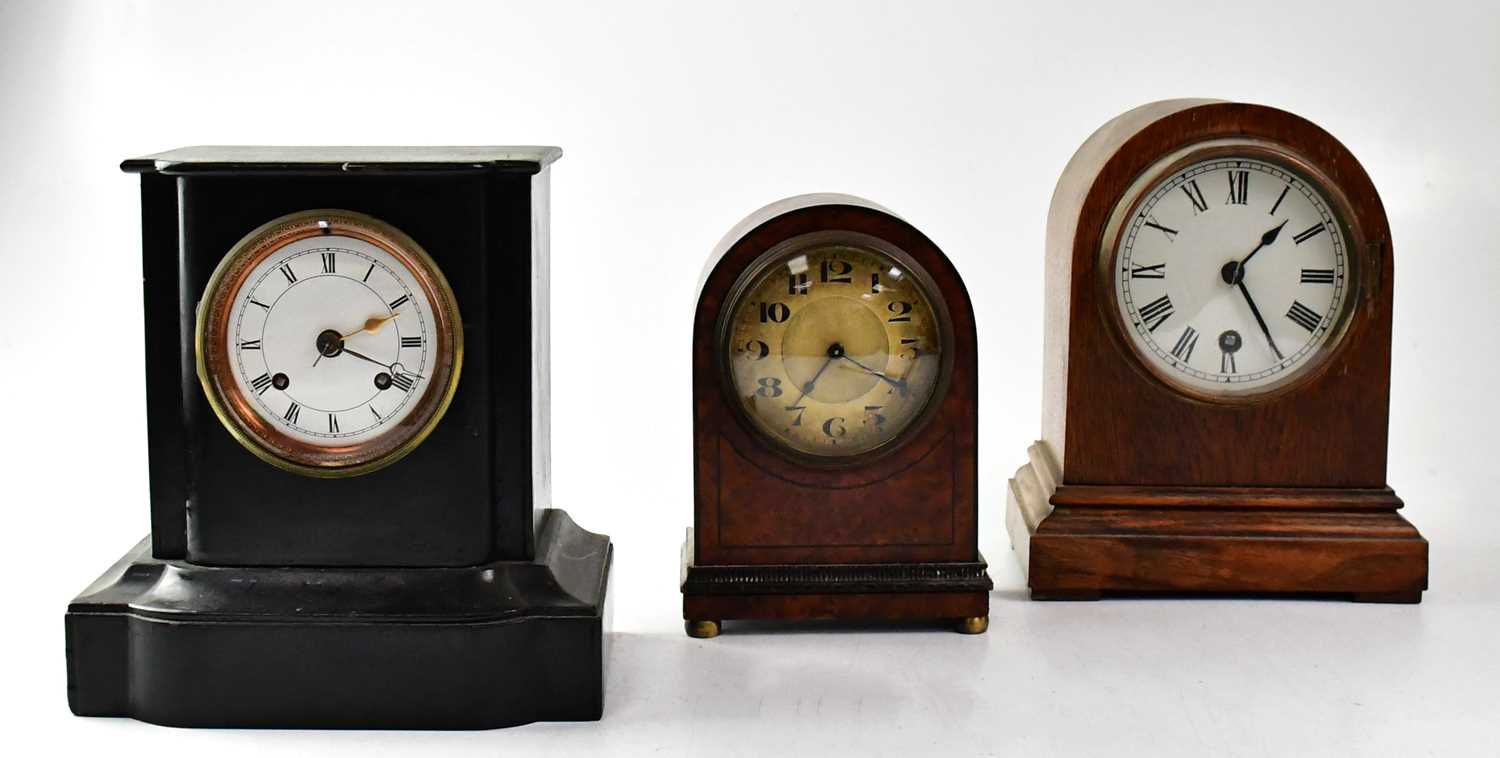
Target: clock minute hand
899 384
1256 312
391 367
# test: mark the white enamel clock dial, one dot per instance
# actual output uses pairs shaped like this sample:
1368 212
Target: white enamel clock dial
328 343
1231 275
303 353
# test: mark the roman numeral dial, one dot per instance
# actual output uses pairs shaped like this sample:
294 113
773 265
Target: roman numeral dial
307 368
335 335
1230 274
1183 350
1195 196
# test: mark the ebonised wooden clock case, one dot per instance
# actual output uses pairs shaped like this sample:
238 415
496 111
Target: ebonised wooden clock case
1143 484
438 592
778 533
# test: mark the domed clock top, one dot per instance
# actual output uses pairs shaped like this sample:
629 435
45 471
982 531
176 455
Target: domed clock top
1216 367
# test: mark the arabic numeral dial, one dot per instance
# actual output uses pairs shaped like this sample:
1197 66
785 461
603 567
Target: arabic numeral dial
834 349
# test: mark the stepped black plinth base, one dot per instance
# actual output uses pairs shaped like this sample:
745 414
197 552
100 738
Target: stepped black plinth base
477 647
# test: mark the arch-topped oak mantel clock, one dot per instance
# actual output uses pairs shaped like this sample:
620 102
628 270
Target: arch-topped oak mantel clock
1217 383
347 395
834 383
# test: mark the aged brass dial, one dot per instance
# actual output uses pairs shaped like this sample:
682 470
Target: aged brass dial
834 345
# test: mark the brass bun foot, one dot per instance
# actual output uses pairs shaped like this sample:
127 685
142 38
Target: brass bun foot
702 630
971 625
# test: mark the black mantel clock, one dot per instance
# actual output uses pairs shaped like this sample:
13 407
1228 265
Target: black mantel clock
347 396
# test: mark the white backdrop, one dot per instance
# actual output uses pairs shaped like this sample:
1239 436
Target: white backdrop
677 119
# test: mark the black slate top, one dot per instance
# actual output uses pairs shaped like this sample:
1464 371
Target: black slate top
209 158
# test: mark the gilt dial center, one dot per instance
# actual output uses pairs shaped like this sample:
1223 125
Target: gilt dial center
834 348
830 336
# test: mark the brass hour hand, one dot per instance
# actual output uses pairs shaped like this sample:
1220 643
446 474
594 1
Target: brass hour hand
371 325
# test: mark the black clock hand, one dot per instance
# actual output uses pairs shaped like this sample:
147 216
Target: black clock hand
328 344
1256 312
364 357
1266 240
391 367
834 352
899 384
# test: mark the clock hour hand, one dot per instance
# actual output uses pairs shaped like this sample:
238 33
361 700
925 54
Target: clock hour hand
1266 240
371 325
835 351
331 343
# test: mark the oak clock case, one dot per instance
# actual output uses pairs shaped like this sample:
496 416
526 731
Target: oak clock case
834 432
348 438
1217 374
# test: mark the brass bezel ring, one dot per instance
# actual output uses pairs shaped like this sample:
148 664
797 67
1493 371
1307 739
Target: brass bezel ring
808 241
234 410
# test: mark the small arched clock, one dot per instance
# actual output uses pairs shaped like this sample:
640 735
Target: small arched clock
834 380
1217 367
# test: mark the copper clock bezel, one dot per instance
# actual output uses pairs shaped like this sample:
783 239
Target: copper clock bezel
1287 160
234 409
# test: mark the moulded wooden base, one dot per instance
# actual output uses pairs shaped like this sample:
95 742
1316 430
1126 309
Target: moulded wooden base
955 592
906 606
1083 542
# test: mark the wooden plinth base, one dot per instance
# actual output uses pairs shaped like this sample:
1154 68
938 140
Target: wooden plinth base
958 593
1087 542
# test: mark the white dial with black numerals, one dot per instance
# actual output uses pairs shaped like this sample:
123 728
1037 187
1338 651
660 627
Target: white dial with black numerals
328 343
331 339
1231 275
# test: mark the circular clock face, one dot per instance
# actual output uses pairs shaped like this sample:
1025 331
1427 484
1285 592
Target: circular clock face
834 346
1232 275
328 343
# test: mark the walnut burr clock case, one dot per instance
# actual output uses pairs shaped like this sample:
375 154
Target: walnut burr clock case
1217 368
347 428
834 388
